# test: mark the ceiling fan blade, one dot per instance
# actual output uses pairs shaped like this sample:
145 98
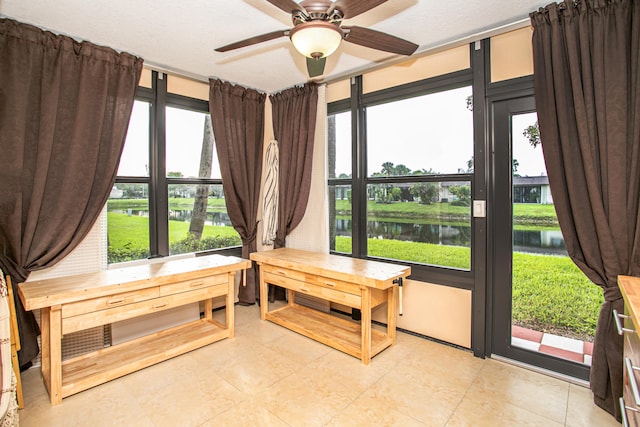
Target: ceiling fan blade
378 40
253 40
351 8
287 5
315 67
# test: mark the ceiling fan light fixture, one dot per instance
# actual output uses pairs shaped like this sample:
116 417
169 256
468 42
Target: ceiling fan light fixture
316 39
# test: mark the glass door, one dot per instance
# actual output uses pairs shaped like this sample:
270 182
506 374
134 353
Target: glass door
544 308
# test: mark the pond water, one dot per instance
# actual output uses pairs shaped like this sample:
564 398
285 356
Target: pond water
213 218
532 241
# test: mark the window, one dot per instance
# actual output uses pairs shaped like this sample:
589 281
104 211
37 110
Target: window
128 204
413 213
340 175
409 197
168 196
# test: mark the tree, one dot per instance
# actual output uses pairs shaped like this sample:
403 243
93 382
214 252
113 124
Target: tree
386 193
401 170
469 167
463 193
532 132
200 203
424 171
426 192
387 169
514 166
470 102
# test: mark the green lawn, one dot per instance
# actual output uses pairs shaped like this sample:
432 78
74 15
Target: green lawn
128 237
134 230
551 294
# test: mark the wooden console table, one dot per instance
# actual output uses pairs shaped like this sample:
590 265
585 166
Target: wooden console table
353 282
74 303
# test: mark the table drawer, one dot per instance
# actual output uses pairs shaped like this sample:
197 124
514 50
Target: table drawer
190 285
115 314
333 284
319 291
110 301
328 283
284 272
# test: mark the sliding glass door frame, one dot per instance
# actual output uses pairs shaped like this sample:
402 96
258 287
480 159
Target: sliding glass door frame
501 226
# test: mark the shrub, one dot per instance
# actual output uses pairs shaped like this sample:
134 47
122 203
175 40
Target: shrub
191 244
126 253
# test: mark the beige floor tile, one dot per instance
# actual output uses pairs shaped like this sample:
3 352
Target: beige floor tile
343 372
427 396
153 379
250 413
223 352
261 331
583 413
109 404
190 402
32 386
367 411
445 360
269 376
300 402
254 372
298 348
531 391
480 409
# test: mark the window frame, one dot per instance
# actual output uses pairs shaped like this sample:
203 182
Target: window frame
158 183
357 104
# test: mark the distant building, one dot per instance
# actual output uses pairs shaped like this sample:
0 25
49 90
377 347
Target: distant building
531 189
115 193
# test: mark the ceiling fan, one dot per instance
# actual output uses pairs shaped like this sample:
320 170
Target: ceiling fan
317 31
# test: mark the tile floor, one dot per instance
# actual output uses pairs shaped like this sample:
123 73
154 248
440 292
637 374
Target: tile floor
269 376
567 348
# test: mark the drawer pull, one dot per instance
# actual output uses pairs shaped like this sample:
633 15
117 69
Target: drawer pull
160 305
304 289
632 380
616 318
115 301
333 285
196 284
623 412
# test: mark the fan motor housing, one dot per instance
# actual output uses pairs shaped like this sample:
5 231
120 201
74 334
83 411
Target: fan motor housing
316 10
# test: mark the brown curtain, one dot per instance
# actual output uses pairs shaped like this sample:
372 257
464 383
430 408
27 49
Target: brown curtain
294 126
237 115
64 113
588 102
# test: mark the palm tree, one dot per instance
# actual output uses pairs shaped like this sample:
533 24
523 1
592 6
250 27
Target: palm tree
199 213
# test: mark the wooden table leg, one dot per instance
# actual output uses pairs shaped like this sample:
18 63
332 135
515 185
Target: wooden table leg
45 354
264 297
208 309
365 325
392 312
55 354
230 304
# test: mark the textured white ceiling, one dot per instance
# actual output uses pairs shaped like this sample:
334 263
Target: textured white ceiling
181 36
